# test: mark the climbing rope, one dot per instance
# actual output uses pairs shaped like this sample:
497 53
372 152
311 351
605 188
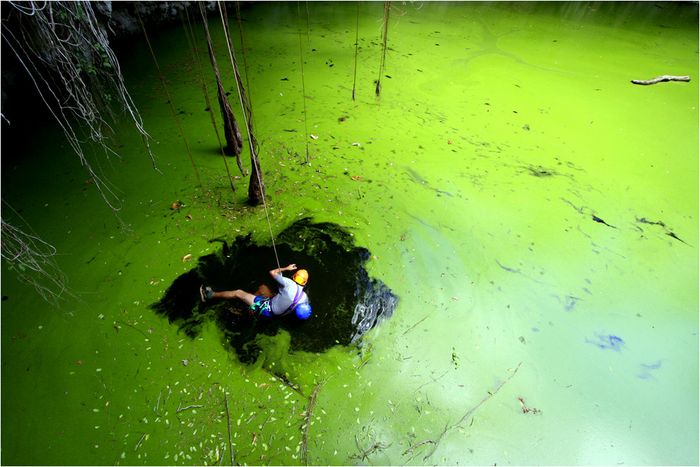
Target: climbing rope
189 34
167 94
254 158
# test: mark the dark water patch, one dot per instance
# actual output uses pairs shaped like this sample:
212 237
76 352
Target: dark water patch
346 301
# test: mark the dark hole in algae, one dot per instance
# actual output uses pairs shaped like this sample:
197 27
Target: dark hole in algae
346 301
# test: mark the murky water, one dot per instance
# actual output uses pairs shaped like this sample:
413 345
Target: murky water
514 189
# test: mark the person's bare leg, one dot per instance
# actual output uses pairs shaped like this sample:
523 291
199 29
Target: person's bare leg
241 295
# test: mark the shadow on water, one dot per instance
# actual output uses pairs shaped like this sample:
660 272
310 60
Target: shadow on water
346 301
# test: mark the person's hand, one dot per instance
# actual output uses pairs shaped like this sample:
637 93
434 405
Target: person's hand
291 267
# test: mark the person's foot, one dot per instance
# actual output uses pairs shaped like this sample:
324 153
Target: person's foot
205 293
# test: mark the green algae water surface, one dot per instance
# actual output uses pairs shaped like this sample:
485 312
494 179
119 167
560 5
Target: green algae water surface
512 186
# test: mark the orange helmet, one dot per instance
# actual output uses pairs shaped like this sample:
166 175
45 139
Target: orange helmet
301 277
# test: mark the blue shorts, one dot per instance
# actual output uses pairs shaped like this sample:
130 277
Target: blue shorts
261 306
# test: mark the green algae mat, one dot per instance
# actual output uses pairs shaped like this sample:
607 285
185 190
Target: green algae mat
532 210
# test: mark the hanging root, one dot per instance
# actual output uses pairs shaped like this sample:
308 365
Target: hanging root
66 53
32 260
387 10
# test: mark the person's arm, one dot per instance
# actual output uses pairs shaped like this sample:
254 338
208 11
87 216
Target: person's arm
275 272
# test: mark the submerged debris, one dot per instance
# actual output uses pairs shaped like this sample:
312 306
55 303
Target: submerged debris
610 342
601 221
643 220
527 409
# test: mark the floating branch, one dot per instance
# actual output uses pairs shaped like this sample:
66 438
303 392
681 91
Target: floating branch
435 442
141 440
364 454
412 327
193 406
228 421
131 326
660 79
307 423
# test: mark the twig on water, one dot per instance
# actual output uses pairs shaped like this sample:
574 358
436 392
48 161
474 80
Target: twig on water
138 445
132 327
286 382
307 423
193 406
365 453
156 409
434 380
467 414
410 449
409 329
228 422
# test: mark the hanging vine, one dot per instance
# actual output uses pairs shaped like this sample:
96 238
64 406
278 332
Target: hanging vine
65 51
66 54
197 64
387 9
169 98
32 260
357 38
303 86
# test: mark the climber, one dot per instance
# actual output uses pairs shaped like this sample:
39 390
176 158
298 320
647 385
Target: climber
290 298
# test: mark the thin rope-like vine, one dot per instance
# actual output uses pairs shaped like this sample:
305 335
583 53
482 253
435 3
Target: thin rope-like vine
170 100
357 38
387 9
303 86
32 259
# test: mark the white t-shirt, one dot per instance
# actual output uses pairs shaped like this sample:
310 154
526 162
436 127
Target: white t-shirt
288 289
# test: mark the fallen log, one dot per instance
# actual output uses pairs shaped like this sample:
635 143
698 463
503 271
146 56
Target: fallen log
660 79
